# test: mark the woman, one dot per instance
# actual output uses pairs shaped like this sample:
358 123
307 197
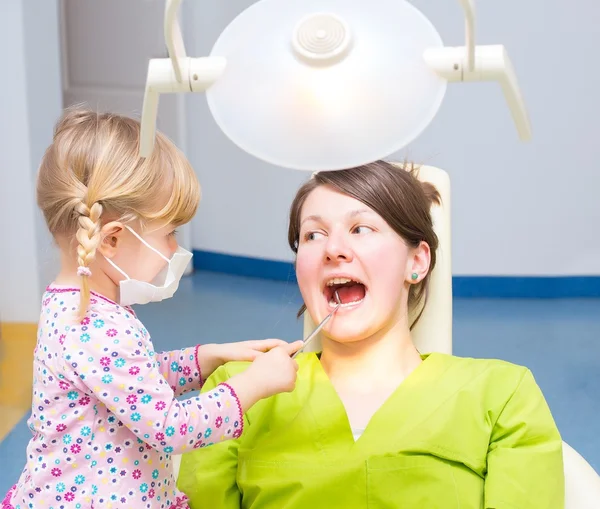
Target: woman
372 422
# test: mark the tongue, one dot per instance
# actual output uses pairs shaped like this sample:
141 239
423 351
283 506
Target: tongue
351 293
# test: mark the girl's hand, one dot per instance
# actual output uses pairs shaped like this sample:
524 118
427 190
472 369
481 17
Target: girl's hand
211 356
271 373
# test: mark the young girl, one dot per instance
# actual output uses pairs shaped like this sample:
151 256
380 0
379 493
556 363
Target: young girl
105 417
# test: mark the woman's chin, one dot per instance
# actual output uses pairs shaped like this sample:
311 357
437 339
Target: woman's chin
346 336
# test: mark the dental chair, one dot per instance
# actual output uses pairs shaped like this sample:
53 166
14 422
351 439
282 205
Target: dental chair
433 333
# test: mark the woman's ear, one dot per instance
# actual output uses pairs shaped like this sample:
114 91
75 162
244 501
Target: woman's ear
418 263
111 234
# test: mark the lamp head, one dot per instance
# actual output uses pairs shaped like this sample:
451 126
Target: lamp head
326 84
312 90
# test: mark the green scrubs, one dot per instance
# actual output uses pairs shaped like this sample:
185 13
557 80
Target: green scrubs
457 433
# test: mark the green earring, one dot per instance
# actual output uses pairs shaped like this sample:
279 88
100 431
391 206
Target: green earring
415 276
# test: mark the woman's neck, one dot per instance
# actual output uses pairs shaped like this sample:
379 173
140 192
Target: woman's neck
372 363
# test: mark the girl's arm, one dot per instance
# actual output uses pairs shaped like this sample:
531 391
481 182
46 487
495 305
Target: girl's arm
181 369
185 370
116 368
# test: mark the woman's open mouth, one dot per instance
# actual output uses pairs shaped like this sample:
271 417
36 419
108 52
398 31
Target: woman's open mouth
350 292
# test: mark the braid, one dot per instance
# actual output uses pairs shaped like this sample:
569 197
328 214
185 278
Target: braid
88 236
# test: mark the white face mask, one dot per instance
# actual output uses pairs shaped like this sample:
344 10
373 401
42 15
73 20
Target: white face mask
163 286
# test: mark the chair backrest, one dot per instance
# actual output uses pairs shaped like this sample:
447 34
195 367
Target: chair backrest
433 332
582 482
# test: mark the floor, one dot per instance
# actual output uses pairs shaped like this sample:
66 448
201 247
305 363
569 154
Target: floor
559 340
17 341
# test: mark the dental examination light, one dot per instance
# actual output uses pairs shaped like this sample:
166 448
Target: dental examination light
326 84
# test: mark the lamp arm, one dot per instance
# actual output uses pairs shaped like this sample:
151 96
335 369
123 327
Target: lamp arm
469 8
173 38
174 75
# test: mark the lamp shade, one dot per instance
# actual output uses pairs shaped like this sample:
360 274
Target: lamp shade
326 84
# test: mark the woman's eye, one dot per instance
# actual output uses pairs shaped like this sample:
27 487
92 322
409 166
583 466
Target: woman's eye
362 229
312 236
173 233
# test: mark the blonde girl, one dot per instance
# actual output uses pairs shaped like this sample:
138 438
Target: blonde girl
105 419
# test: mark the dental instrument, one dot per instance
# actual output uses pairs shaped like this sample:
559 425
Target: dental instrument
314 333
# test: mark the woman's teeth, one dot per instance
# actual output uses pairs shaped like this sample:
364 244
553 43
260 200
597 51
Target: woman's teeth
338 281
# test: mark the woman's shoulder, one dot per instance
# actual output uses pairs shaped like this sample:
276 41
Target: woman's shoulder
496 376
480 364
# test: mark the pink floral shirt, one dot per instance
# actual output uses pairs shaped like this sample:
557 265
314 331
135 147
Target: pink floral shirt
105 418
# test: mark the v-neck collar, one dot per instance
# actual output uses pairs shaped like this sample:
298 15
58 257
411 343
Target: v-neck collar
405 408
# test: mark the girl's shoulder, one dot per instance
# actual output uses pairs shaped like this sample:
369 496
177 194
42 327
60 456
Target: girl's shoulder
65 299
60 312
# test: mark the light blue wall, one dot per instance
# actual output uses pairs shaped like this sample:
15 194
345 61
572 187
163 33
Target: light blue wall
30 103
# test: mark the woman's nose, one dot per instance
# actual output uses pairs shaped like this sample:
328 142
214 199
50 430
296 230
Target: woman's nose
338 248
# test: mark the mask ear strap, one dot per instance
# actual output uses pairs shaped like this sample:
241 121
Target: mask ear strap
117 267
148 245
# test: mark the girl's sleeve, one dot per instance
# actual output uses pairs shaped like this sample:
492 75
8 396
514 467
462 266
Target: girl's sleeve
108 360
181 369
